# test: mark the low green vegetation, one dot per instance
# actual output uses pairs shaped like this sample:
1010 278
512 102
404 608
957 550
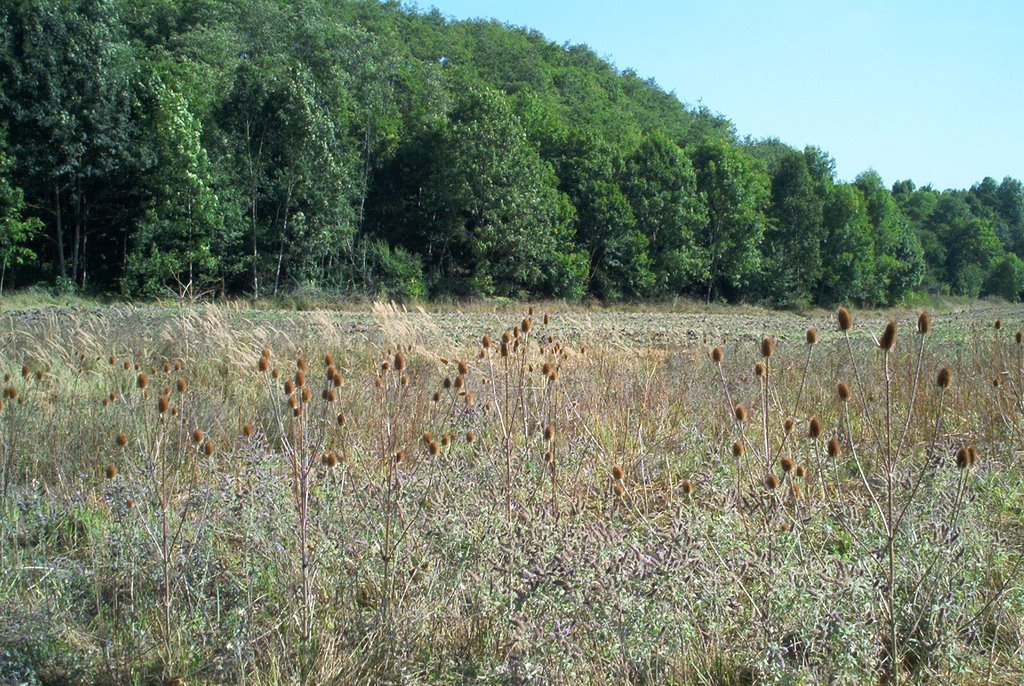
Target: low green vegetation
344 147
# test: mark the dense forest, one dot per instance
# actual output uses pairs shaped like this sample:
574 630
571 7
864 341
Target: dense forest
254 147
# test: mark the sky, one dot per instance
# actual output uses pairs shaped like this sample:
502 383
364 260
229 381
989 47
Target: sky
931 91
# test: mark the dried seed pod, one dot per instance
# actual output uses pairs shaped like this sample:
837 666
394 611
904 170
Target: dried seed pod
772 482
486 342
924 323
787 464
247 430
181 385
341 419
289 387
328 360
399 362
687 487
263 364
814 428
208 448
307 394
760 370
717 354
617 473
843 390
888 340
801 471
434 448
834 447
945 377
163 404
142 380
844 319
738 449
812 336
470 436
526 326
767 347
463 368
197 436
300 378
740 413
110 472
549 433
962 458
999 324
619 489
788 425
122 439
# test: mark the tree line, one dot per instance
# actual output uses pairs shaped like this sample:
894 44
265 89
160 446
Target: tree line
255 147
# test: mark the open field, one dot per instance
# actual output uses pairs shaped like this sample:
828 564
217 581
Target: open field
218 495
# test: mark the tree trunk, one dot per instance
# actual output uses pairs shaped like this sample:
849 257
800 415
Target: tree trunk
60 231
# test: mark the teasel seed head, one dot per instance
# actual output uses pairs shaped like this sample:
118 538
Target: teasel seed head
328 360
300 364
844 319
738 449
549 433
812 336
527 325
486 342
470 436
767 347
945 377
549 458
888 340
460 382
617 473
399 362
801 471
740 413
843 390
122 439
434 447
142 380
300 378
835 449
787 464
924 323
814 428
276 373
404 379
999 324
247 430
163 404
208 448
197 436
289 387
263 365
181 385
717 354
112 359
619 489
963 460
447 383
788 425
307 394
297 411
341 419
504 349
469 397
111 471
687 487
25 371
437 396
772 482
463 368
40 375
760 370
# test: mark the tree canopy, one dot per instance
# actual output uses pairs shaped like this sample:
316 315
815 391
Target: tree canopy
252 147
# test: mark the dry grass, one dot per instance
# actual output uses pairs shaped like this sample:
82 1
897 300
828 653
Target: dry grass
611 521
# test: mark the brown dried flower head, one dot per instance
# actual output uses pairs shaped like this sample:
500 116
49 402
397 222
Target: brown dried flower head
767 347
617 473
924 323
843 390
812 336
888 340
844 319
814 428
945 377
717 354
835 449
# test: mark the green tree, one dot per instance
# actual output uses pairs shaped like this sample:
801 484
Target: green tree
661 186
899 259
16 230
735 193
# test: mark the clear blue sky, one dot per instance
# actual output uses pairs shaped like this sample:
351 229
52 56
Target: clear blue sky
927 90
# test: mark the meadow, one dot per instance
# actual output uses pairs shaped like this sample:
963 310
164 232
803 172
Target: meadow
520 495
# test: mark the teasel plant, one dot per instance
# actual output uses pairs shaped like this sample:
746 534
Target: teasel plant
163 455
302 423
